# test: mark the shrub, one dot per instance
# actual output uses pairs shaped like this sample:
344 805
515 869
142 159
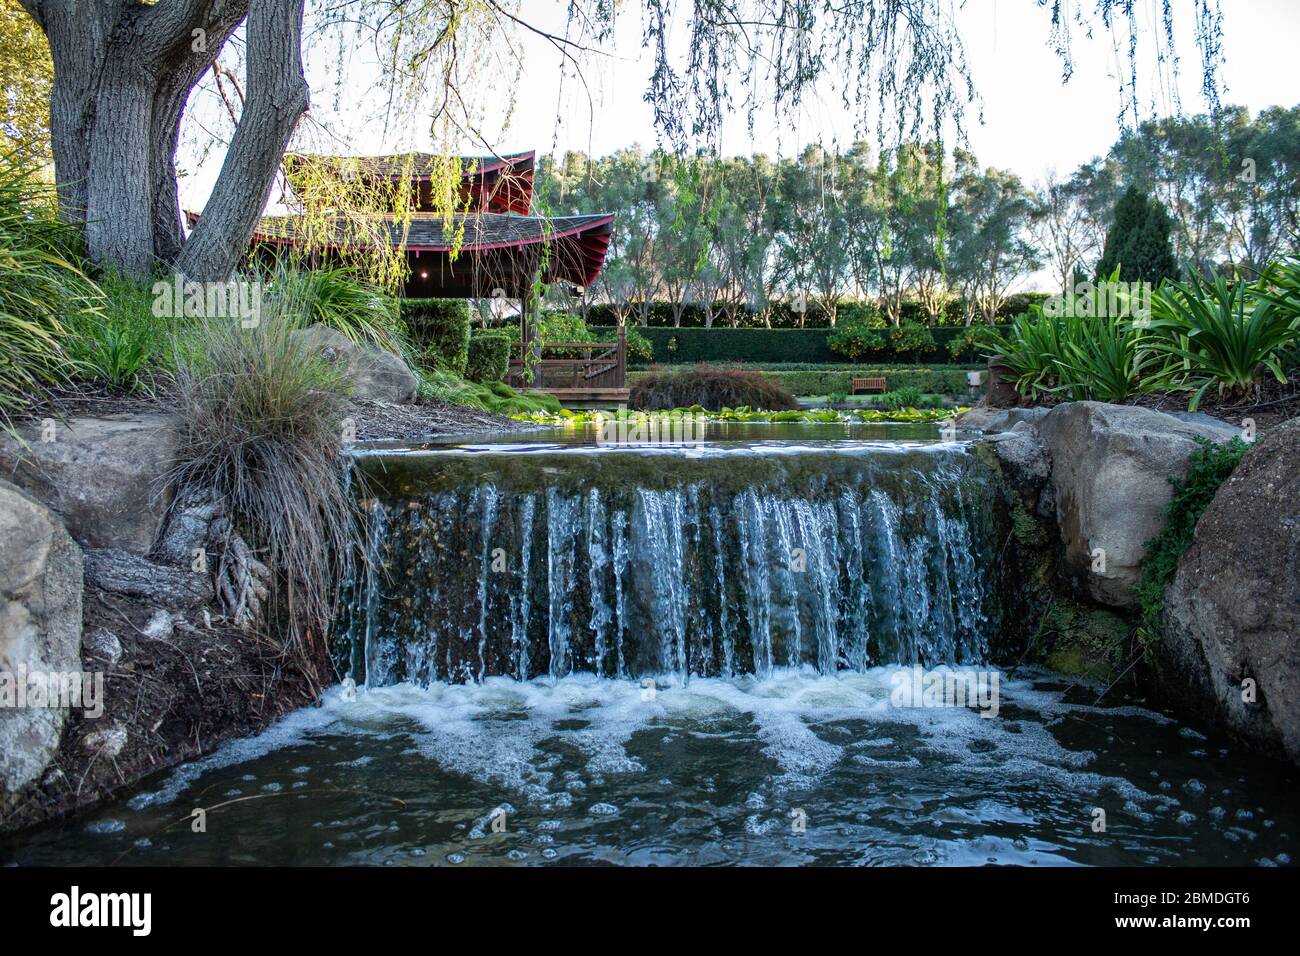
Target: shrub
40 282
1224 335
909 338
489 355
439 330
1104 360
710 388
260 435
336 298
906 397
856 333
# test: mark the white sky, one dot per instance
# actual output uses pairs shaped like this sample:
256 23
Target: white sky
1032 122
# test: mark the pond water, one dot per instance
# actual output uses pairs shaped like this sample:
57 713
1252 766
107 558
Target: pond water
588 770
564 649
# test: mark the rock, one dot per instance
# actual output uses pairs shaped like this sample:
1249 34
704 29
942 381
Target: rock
1232 611
105 742
376 375
991 421
103 476
123 573
102 643
1208 421
40 630
160 626
1025 464
1111 466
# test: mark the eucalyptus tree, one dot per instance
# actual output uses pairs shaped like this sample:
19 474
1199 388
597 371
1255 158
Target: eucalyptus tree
124 71
1059 223
989 247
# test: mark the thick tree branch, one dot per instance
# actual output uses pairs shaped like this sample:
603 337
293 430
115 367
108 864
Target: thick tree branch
277 97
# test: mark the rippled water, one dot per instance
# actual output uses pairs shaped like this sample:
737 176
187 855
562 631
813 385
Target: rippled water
588 770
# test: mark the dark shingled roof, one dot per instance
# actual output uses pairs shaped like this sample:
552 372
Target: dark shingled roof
432 232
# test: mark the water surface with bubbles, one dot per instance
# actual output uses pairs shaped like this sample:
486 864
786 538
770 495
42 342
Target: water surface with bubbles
717 772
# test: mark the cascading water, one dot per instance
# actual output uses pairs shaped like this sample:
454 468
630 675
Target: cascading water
627 563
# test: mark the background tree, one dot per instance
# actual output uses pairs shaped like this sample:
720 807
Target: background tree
1138 241
26 74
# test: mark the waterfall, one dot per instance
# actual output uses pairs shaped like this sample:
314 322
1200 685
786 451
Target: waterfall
629 564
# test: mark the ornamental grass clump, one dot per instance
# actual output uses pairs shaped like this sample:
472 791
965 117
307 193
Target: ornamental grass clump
710 388
262 427
41 284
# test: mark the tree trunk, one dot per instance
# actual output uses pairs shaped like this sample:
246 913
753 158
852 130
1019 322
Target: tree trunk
123 72
276 98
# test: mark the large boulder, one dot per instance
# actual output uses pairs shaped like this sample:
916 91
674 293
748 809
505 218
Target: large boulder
992 421
40 631
376 375
105 477
1111 466
1232 611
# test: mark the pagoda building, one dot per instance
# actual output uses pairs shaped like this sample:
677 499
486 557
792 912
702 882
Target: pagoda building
493 247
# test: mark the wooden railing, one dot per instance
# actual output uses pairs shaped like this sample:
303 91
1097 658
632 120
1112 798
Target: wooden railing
598 365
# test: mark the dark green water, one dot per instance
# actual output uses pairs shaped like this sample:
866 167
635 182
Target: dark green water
590 771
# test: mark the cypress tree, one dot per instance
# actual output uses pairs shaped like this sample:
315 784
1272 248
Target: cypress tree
1138 241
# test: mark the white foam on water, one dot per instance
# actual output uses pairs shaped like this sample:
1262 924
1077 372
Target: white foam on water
506 732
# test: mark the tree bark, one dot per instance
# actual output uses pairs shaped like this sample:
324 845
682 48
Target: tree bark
276 97
123 72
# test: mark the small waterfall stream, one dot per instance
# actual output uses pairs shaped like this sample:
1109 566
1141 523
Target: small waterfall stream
627 563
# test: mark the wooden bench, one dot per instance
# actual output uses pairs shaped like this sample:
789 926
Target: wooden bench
869 385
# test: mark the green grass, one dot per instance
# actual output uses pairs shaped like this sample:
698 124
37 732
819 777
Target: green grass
491 397
42 285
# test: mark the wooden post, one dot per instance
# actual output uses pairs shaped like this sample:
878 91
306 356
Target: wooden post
621 373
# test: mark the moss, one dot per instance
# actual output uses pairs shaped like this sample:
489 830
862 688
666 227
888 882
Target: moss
1028 531
1207 468
1084 641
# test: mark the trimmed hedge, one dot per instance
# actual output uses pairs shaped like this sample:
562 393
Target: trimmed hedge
827 380
762 346
489 355
782 315
439 329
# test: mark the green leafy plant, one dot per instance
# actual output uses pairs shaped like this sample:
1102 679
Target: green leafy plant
489 355
856 333
41 285
125 346
911 338
1207 469
1222 335
1102 359
1028 349
439 331
906 397
337 298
